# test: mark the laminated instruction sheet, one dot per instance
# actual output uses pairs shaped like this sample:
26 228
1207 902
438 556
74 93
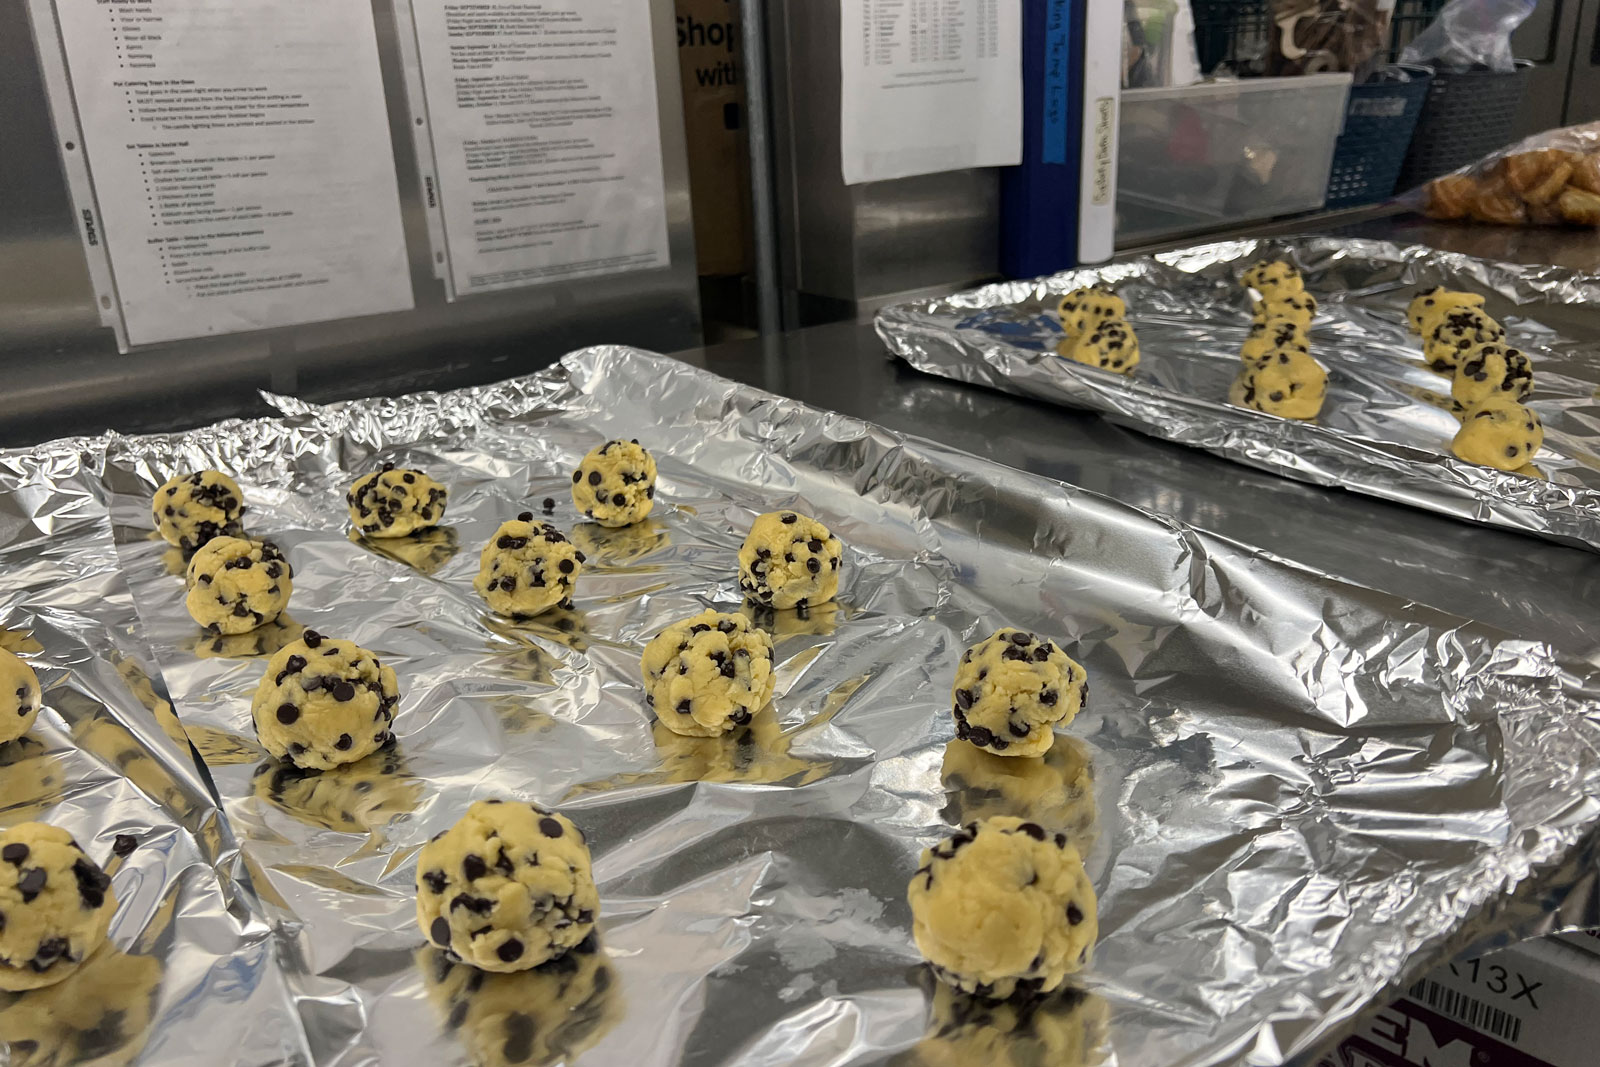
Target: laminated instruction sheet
929 86
539 138
235 170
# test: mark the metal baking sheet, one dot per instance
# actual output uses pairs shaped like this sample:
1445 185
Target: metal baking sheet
1386 426
1292 792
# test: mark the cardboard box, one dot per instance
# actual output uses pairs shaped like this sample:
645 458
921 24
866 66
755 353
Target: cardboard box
1536 1004
711 65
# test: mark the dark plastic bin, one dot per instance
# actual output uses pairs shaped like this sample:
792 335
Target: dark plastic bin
1378 123
1466 116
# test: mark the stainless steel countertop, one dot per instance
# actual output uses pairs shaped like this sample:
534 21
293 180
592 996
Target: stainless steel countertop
1521 584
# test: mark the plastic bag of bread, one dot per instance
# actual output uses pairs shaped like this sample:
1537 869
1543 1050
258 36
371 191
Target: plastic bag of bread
1549 179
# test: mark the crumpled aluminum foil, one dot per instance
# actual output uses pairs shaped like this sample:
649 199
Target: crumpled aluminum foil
1386 426
1291 793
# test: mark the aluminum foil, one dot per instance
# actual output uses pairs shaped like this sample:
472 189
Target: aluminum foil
1292 793
1386 426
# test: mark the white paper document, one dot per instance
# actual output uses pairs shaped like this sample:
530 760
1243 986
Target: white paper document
539 137
929 86
242 170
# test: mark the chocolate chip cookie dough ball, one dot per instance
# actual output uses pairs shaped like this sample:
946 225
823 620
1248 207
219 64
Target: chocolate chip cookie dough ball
507 888
1458 332
395 502
708 674
191 509
1002 907
1429 306
98 1016
1291 384
527 568
789 560
1273 276
1267 339
1499 433
1082 309
324 702
57 904
20 697
532 1018
1012 689
1492 371
1299 308
236 585
1109 344
615 485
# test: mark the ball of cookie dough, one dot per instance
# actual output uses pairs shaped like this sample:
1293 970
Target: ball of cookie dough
1273 276
355 798
99 1016
789 560
1458 332
1081 309
527 568
1299 308
236 585
57 904
20 697
1492 371
324 702
1109 344
1291 384
1012 688
1430 305
1267 339
191 509
394 502
545 1015
1003 906
1499 433
708 674
507 888
615 484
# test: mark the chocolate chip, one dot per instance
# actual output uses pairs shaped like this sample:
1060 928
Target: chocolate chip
51 949
525 516
92 883
1074 914
565 566
440 931
435 880
476 905
981 736
287 714
1048 697
594 479
31 883
550 827
964 699
511 950
503 864
1033 830
124 844
344 691
1020 729
16 853
474 867
813 565
295 663
344 742
787 517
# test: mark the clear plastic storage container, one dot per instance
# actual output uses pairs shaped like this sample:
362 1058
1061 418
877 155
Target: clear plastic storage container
1203 156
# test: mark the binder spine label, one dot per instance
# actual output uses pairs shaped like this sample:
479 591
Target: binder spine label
1057 75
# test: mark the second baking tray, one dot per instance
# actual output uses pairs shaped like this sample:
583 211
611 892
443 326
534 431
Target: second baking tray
1386 427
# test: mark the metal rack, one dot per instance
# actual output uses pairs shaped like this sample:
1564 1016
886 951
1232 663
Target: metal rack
1235 33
